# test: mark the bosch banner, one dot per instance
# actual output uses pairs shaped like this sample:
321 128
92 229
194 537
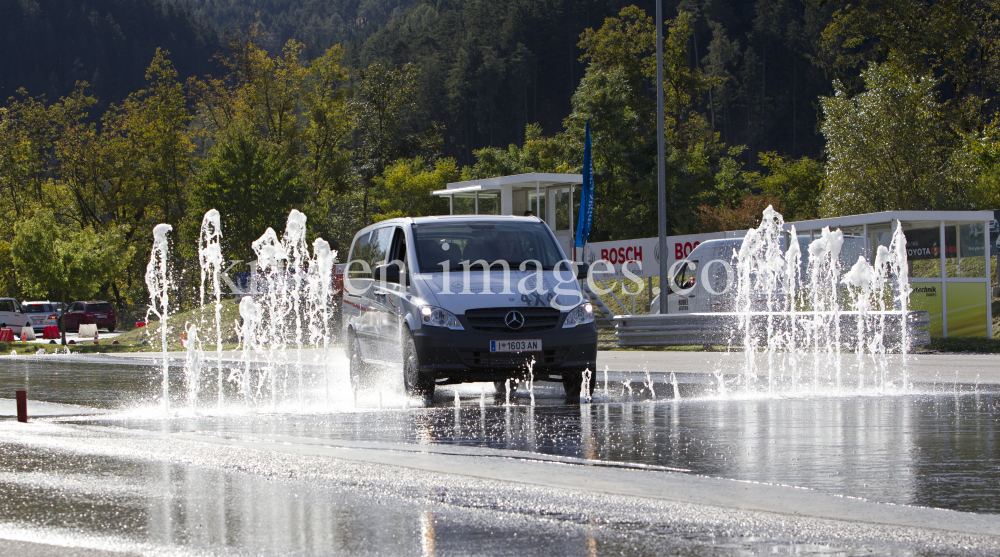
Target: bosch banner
640 255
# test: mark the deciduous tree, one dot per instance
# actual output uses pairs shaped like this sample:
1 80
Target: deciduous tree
890 147
68 261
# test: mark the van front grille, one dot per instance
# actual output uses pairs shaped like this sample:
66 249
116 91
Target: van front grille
491 320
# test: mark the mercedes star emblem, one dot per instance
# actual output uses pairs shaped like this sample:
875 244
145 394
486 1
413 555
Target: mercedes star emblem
514 320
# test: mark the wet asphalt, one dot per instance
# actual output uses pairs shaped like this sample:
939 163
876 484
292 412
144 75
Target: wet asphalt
638 473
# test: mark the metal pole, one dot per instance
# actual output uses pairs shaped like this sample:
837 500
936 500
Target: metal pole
538 200
944 282
572 229
661 168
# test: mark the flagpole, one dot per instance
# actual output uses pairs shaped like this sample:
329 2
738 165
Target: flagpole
661 169
586 198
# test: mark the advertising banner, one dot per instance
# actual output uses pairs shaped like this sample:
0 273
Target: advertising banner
972 239
968 310
926 296
641 255
925 243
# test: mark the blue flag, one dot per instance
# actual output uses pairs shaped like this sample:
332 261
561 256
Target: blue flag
587 195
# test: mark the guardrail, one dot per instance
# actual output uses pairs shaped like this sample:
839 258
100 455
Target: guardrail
722 329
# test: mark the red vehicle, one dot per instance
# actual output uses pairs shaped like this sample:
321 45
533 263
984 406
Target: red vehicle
99 313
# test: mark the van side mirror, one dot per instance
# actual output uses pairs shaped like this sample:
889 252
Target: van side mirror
387 273
582 270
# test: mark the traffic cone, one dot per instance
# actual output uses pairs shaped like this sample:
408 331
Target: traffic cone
96 337
24 335
183 340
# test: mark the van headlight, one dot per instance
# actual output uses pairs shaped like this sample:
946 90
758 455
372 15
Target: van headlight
580 315
438 317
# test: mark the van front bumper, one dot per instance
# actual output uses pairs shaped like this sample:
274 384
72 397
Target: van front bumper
464 356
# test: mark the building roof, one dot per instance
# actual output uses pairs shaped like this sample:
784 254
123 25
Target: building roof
889 216
531 180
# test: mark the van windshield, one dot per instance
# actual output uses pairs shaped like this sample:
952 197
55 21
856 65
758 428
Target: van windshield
447 245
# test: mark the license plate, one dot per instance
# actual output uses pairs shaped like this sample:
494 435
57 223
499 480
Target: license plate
530 345
37 319
101 316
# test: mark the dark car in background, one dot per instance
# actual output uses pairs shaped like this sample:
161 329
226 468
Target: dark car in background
41 314
99 313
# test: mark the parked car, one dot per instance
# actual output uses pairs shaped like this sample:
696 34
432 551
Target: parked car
411 305
12 316
41 314
99 313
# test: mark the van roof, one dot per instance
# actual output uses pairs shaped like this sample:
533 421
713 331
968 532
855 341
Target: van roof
450 218
453 218
722 242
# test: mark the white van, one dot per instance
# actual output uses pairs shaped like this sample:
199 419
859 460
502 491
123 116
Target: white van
430 297
695 289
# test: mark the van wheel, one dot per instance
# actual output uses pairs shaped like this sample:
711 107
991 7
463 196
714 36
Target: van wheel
573 380
415 383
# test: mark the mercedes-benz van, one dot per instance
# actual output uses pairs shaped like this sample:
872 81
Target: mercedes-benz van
454 299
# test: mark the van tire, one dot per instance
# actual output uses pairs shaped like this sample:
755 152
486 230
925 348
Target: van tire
572 381
415 383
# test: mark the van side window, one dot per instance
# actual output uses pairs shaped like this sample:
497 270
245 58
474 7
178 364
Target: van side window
6 305
370 248
381 240
685 277
359 252
398 250
397 253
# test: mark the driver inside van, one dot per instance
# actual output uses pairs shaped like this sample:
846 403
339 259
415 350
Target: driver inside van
507 249
683 279
439 252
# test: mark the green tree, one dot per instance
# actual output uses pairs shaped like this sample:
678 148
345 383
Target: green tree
797 183
977 165
956 41
298 115
890 147
404 189
147 141
326 163
70 262
248 181
383 98
538 154
792 187
615 95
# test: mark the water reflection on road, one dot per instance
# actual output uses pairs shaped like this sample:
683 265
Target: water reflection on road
930 450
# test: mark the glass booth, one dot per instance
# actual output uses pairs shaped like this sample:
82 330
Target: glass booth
948 258
548 196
